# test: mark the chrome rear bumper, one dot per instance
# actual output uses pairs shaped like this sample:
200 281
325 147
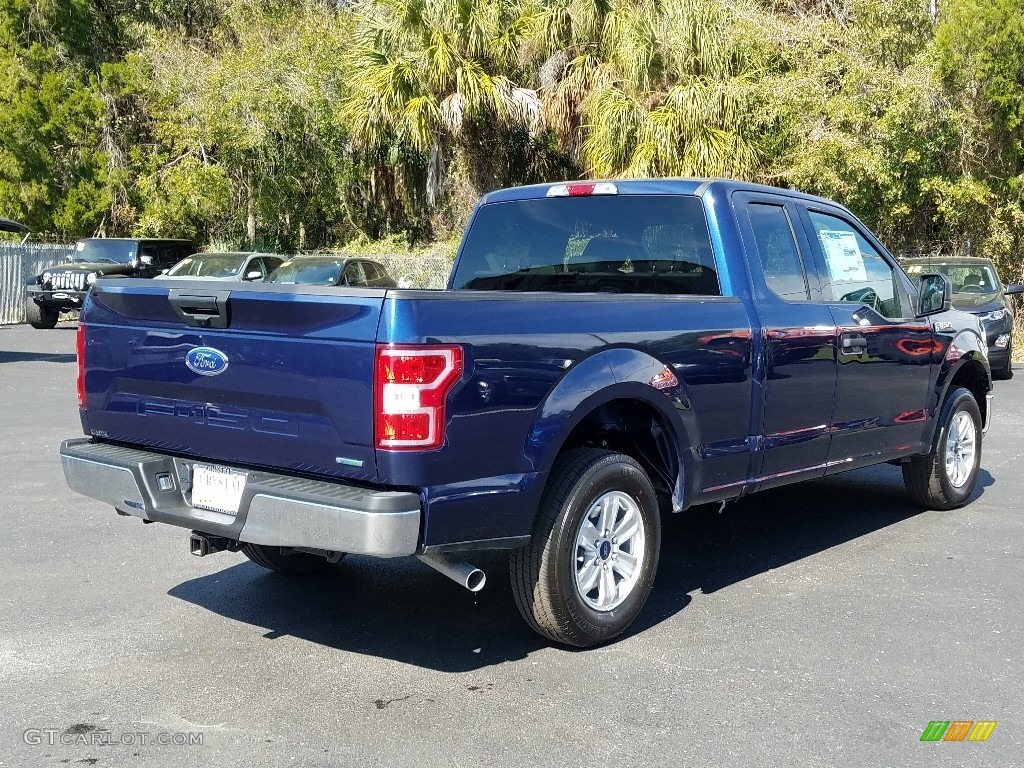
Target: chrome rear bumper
275 510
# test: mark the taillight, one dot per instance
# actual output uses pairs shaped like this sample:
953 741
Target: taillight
411 384
80 354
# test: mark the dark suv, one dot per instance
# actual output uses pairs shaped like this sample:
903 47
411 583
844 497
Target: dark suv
977 289
65 286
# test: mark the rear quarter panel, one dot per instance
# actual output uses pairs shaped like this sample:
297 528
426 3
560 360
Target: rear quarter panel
537 363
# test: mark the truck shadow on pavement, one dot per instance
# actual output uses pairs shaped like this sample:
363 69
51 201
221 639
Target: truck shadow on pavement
768 530
403 610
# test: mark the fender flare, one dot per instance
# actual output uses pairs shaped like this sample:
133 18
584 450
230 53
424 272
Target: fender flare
963 350
619 373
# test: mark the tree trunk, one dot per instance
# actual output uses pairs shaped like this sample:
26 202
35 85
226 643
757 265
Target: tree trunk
250 218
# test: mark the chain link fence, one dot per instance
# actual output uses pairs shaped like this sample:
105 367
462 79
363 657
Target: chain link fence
18 265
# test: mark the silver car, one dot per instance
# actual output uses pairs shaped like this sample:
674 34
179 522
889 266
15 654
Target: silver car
225 266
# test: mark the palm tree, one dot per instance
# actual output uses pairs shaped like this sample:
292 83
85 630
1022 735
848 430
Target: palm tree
508 91
427 75
648 88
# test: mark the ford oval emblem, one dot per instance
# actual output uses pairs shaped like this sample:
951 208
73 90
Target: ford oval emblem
206 361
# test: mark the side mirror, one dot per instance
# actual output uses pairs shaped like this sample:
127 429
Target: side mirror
935 295
164 271
1014 288
146 261
254 275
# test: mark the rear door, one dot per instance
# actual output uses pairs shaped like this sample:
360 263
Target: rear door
164 255
254 264
799 366
167 256
282 377
884 352
375 275
150 251
176 250
270 264
354 274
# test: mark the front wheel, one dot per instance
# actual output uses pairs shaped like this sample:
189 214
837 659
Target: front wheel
590 566
945 478
39 316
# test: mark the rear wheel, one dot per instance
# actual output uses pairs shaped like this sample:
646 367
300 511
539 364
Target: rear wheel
945 478
39 316
285 560
590 566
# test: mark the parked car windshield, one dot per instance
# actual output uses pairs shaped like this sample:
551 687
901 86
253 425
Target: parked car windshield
620 244
308 272
101 250
967 276
209 265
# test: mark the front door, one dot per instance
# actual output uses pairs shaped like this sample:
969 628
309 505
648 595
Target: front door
884 353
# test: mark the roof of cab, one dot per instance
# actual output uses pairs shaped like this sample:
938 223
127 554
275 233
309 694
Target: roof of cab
675 186
967 260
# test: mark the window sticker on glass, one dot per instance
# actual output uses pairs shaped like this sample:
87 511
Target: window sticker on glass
845 263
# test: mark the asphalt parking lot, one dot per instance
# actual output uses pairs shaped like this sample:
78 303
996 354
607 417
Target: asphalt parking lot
821 625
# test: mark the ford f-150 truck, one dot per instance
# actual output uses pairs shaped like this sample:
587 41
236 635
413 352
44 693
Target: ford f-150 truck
605 352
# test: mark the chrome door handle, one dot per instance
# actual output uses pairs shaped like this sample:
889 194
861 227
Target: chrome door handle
852 344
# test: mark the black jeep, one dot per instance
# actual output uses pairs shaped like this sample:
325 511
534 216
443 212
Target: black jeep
65 286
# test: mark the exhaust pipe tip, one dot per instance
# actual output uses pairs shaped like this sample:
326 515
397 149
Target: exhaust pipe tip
468 576
476 580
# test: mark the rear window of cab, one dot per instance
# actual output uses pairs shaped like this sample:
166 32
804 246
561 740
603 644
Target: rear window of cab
600 243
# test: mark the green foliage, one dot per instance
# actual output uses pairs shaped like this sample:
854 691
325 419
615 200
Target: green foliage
287 124
433 96
673 96
53 171
979 47
247 148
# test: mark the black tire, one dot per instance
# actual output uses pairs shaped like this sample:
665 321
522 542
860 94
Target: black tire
274 559
543 572
926 477
39 316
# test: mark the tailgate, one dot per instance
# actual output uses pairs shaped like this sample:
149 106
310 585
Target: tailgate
285 378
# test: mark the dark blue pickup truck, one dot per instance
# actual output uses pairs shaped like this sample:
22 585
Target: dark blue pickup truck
606 352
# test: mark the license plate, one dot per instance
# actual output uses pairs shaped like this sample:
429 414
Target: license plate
217 488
